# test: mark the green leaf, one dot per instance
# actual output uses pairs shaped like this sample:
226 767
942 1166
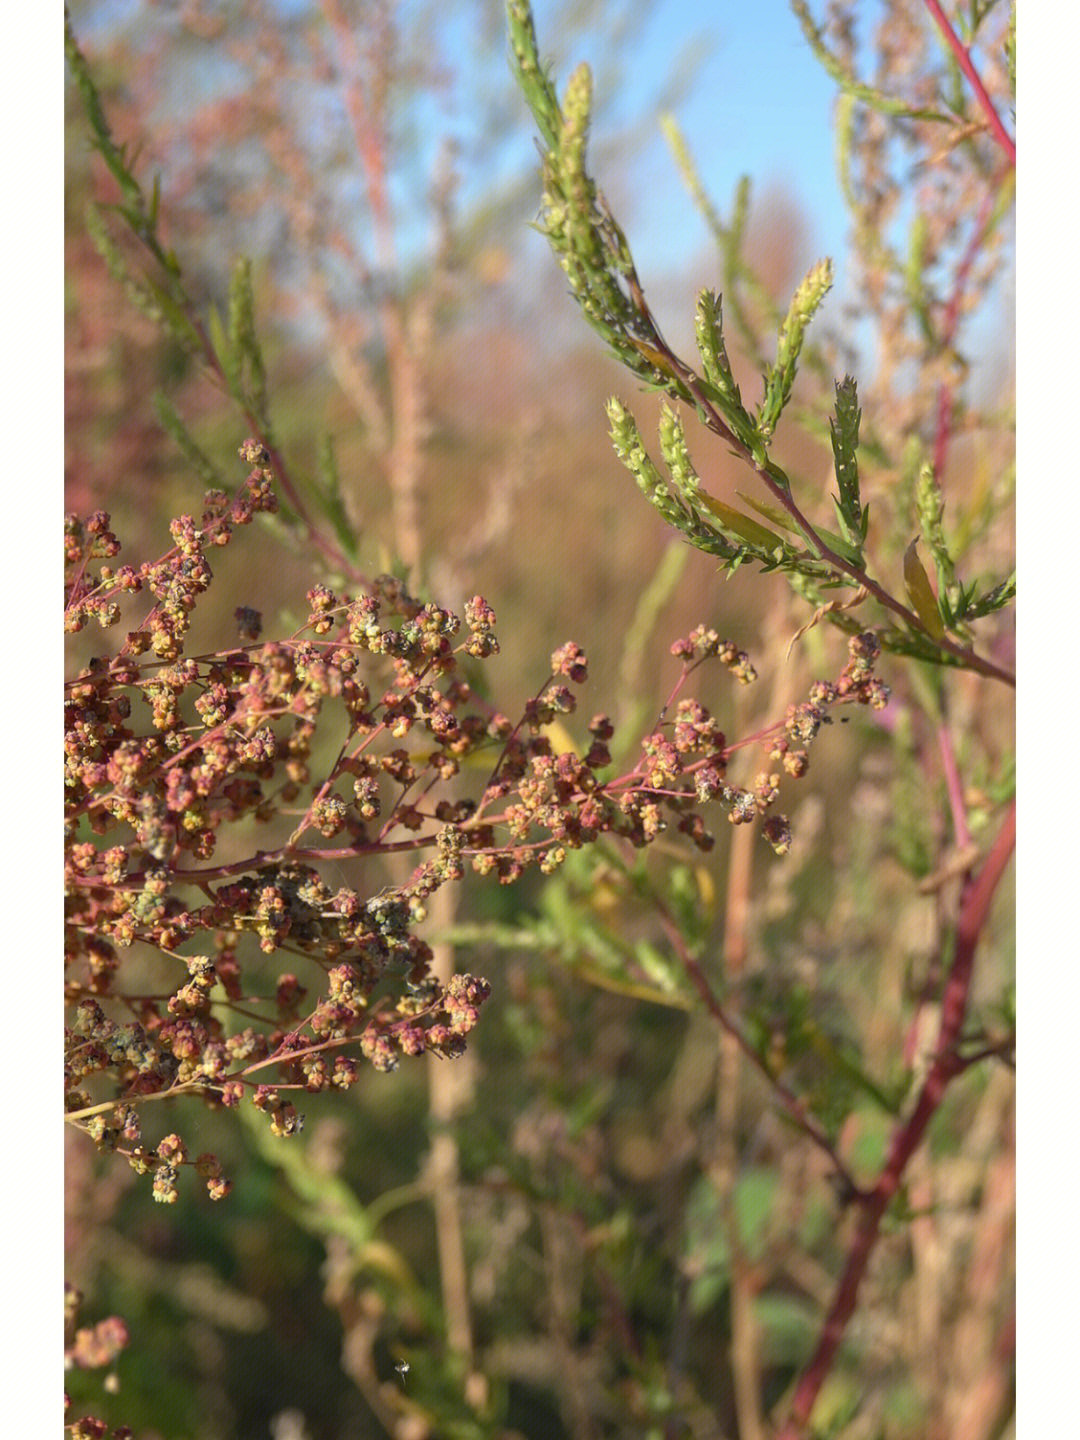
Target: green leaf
535 82
994 599
844 434
174 317
930 507
226 357
658 967
171 422
851 553
741 525
329 497
781 377
914 278
771 512
719 377
852 88
244 342
112 154
921 594
787 1323
754 1196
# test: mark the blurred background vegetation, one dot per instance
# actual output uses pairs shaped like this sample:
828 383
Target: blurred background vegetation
597 1222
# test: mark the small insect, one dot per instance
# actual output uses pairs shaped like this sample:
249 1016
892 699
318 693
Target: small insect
402 1368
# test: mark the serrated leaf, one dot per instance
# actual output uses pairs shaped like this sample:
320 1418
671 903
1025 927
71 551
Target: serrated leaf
844 437
921 593
993 600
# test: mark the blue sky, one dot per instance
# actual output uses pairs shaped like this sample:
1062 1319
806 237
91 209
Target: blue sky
760 105
757 103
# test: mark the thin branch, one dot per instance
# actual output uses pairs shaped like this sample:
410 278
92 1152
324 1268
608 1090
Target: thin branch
975 904
782 495
983 221
963 59
787 1098
953 786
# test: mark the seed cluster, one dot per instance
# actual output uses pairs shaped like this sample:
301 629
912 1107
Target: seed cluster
175 765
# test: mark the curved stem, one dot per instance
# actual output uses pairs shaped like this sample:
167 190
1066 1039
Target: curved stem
795 1108
975 903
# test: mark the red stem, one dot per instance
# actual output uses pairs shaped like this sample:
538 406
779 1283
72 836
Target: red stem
963 59
974 908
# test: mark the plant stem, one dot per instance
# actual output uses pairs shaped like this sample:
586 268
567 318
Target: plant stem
975 903
963 59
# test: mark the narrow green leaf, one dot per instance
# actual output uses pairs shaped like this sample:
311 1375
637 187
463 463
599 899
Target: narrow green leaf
226 357
112 154
243 340
536 85
783 519
174 425
173 316
742 525
914 276
659 968
930 507
330 499
840 71
994 599
921 594
723 390
771 512
844 434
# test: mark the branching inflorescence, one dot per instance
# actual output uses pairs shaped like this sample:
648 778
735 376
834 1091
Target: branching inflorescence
243 925
171 760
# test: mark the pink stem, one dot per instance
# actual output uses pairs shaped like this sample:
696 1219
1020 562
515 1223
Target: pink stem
963 59
954 788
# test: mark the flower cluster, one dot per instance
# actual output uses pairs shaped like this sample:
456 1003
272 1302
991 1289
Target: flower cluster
171 761
91 1348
